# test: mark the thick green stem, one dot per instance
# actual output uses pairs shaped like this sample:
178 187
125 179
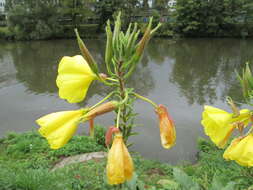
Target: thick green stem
120 75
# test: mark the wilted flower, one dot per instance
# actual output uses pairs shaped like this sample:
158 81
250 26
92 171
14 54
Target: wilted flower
167 127
241 151
74 78
219 124
59 127
119 164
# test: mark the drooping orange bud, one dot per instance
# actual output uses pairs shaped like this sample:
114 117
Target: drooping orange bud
102 109
119 163
167 127
109 133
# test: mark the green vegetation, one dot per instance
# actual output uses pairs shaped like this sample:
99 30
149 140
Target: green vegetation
26 162
5 33
192 18
214 18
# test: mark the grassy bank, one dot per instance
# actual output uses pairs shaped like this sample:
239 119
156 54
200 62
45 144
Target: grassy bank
26 162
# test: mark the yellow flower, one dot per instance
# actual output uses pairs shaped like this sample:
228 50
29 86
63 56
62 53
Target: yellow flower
59 127
167 127
74 78
219 124
241 150
119 164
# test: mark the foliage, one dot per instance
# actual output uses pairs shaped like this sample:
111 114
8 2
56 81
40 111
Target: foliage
39 20
193 18
5 33
108 9
214 18
23 169
31 145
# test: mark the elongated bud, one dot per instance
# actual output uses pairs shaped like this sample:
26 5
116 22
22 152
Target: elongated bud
108 51
102 109
248 76
109 133
233 107
143 42
86 54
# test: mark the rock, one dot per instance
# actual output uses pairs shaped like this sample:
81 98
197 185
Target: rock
79 158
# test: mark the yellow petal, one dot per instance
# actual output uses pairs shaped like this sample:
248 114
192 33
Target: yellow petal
218 124
74 78
59 127
241 151
115 163
128 163
119 164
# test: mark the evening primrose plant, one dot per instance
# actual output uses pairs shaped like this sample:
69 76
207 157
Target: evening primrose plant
219 125
123 52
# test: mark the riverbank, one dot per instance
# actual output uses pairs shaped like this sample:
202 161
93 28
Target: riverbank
26 162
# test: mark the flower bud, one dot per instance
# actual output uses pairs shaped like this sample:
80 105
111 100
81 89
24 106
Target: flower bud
167 127
120 166
101 109
109 133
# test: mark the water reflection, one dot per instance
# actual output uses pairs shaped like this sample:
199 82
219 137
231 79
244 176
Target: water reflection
204 70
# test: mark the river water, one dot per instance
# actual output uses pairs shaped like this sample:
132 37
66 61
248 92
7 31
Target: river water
184 75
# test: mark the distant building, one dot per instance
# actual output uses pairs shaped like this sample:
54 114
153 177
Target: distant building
2 5
172 4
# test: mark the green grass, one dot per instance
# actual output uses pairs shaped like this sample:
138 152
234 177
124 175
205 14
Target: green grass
26 162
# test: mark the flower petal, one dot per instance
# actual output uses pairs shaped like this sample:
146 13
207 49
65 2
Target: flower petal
74 78
115 163
59 127
219 124
241 150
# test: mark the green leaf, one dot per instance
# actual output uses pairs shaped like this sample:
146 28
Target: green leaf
168 184
184 180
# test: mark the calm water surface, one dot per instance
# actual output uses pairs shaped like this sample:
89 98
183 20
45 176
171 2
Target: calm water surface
183 75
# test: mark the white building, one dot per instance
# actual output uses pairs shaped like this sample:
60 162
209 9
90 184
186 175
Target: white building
2 5
172 4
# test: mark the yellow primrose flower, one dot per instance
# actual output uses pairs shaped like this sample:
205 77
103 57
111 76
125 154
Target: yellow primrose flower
167 127
219 124
74 78
59 127
119 163
241 150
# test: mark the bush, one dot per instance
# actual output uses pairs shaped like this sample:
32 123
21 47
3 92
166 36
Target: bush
5 33
38 22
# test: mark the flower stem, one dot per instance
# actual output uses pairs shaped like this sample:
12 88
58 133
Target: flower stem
145 99
101 101
118 117
91 128
112 79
